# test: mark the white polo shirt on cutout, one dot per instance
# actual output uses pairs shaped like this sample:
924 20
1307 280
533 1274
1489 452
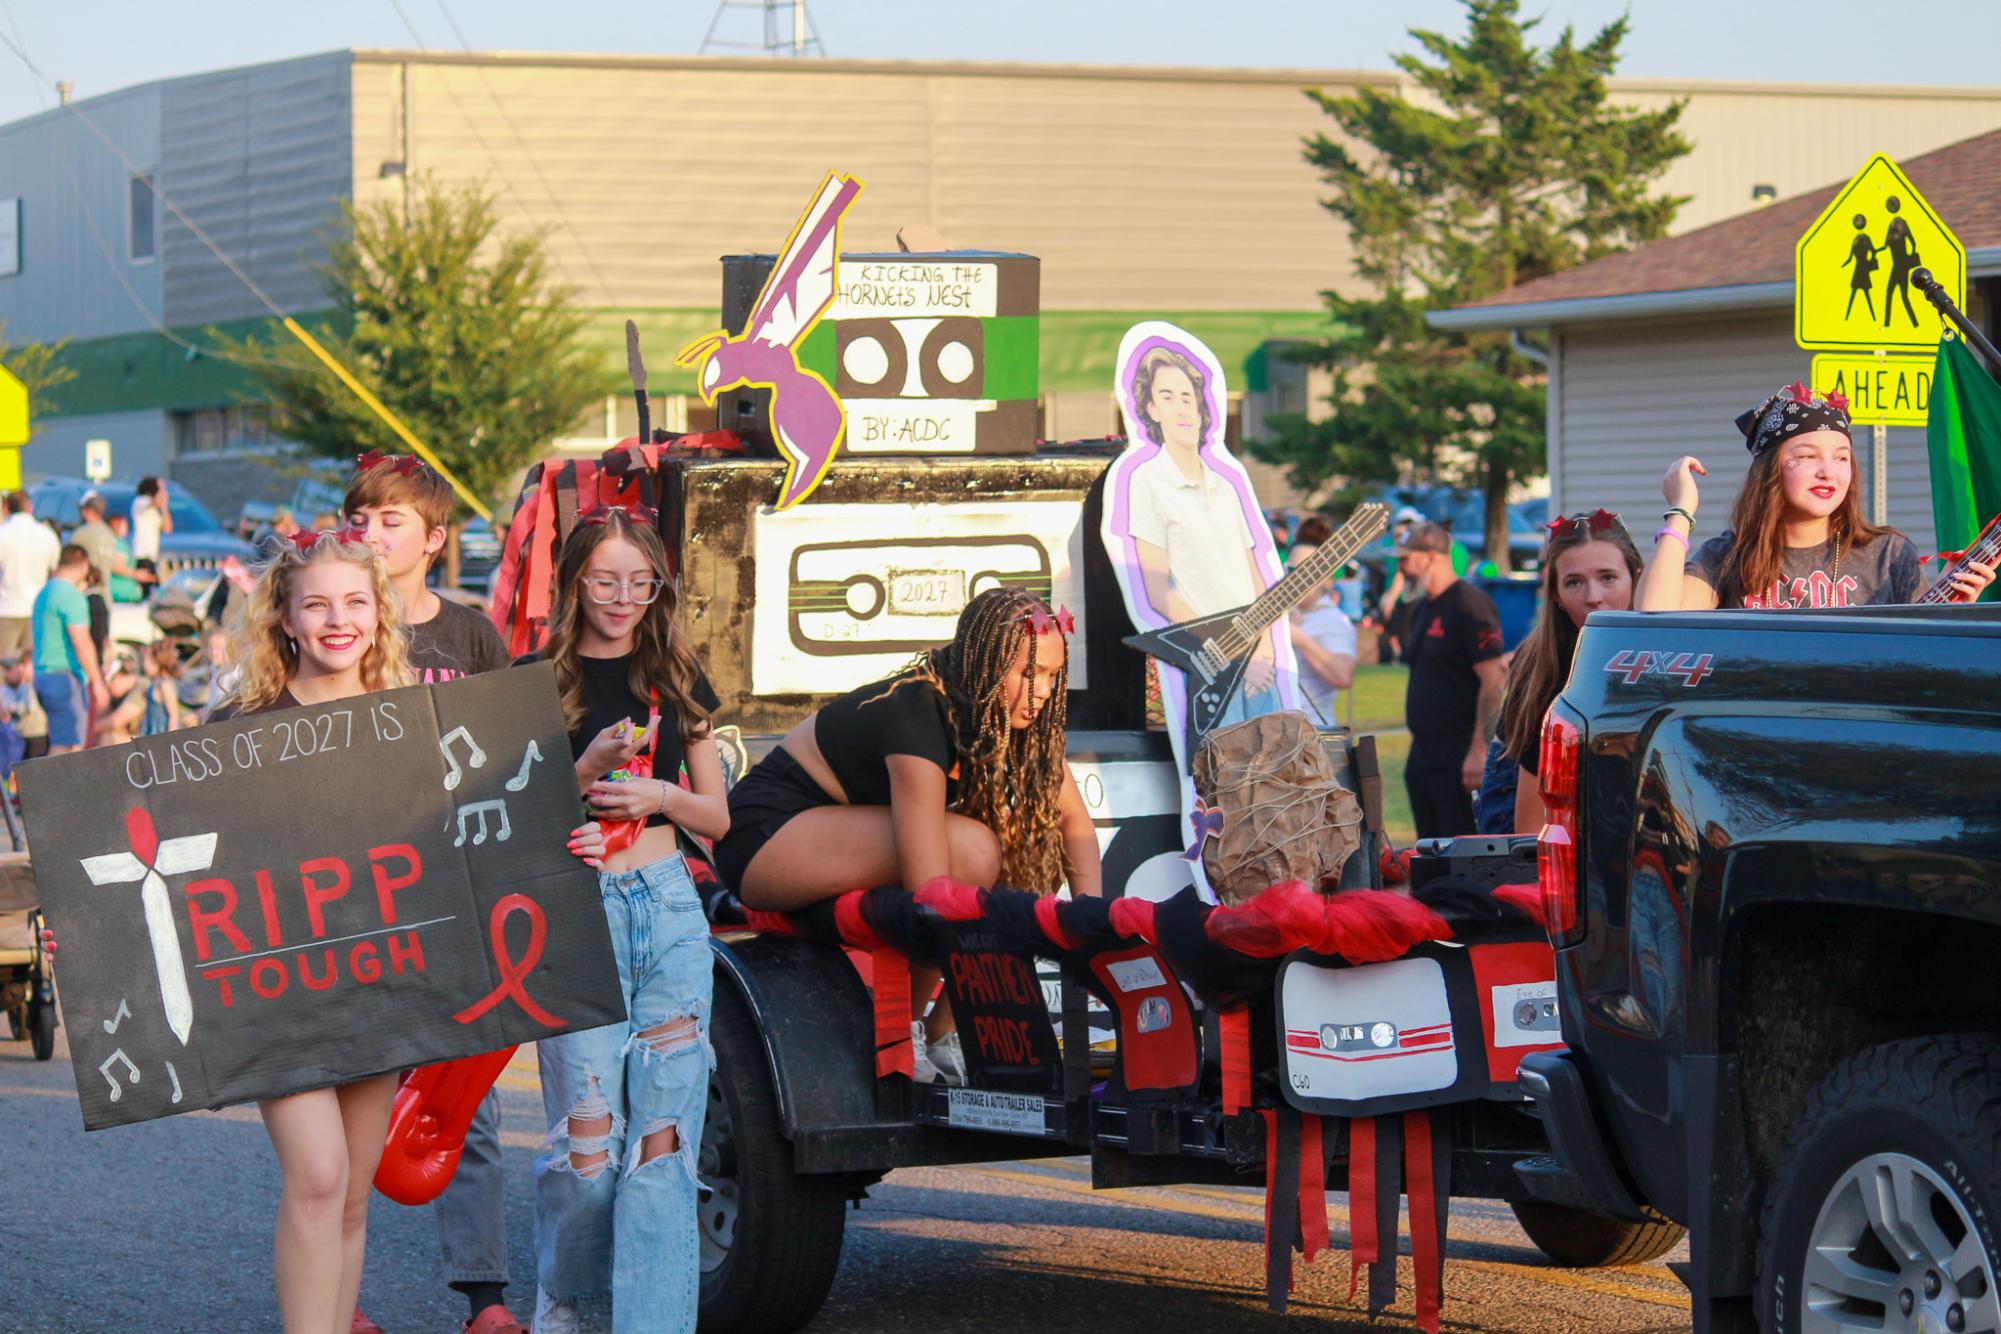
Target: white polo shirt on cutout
1200 523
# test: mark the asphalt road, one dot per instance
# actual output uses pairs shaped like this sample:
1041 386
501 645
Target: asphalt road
168 1226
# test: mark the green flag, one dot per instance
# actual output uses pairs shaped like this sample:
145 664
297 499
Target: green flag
1963 437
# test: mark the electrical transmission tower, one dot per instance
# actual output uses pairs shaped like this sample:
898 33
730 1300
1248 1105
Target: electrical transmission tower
789 29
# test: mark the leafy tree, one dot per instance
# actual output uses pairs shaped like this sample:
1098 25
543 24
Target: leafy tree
38 366
1505 165
454 324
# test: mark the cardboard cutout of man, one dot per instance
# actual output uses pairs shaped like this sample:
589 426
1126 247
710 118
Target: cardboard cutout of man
1184 530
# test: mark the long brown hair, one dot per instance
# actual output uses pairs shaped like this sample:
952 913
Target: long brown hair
270 659
1542 664
1010 780
1757 521
661 659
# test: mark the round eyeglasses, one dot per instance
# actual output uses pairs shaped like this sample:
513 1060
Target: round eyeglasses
605 589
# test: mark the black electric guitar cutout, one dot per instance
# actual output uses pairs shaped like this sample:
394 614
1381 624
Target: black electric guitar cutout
1215 651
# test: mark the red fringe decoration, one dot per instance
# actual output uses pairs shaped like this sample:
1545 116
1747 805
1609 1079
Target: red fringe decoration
1360 925
950 900
1134 917
854 927
1524 899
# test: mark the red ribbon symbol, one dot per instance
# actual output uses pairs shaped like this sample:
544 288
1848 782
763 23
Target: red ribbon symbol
513 971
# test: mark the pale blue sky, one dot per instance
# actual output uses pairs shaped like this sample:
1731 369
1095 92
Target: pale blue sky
107 44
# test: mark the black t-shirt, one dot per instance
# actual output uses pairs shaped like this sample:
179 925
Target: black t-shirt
608 697
1448 634
1881 572
858 732
457 642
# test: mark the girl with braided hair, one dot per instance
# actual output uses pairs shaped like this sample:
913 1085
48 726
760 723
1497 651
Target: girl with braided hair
954 766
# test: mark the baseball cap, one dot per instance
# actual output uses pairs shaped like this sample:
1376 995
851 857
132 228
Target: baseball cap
1408 514
1424 537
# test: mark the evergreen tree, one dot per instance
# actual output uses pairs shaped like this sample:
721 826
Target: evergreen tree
1505 164
455 325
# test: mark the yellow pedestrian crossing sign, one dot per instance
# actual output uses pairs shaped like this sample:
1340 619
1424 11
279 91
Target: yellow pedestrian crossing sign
1852 269
13 409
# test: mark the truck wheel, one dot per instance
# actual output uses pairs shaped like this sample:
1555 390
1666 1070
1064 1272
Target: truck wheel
42 1029
770 1238
1580 1240
1881 1212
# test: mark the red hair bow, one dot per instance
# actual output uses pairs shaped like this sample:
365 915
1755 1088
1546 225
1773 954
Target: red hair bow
1040 618
1598 521
635 514
308 538
404 464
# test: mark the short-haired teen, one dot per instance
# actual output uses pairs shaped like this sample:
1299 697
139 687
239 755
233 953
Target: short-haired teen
1797 539
615 1193
402 506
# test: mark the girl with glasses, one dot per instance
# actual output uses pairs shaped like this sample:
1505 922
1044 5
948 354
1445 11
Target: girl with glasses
615 1192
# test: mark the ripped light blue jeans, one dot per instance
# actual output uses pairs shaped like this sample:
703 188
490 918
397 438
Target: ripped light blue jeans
615 1220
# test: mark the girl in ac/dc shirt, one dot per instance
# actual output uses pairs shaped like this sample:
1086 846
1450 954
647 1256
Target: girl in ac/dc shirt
1797 539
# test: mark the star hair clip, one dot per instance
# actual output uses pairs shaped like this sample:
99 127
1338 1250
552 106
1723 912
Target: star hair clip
1040 618
403 464
635 514
1598 521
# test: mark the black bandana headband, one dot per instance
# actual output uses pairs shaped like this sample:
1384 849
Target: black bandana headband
1792 411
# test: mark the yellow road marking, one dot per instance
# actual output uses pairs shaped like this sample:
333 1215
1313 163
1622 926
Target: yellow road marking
1558 1278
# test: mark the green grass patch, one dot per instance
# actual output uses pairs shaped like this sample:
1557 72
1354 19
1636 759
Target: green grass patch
1376 697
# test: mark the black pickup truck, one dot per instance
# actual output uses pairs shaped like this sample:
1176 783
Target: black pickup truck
1772 872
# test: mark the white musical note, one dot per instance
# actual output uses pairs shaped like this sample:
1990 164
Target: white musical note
528 758
480 808
175 1076
475 757
105 1070
123 1013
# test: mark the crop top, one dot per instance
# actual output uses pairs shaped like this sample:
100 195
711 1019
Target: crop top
858 732
608 697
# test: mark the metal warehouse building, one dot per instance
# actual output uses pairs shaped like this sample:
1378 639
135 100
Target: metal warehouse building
1175 193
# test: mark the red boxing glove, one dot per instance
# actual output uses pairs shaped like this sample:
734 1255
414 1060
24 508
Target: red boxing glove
427 1125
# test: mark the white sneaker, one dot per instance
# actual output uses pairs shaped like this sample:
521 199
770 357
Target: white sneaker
552 1317
947 1058
921 1069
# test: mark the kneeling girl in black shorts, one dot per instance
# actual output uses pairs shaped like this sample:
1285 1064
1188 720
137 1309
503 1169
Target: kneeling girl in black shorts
954 766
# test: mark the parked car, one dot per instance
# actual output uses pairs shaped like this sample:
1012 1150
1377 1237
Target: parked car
1467 509
197 542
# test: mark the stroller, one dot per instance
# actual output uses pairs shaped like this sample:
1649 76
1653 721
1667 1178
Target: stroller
27 980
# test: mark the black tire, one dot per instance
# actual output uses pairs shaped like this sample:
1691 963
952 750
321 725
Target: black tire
769 1269
1576 1239
42 1029
1910 1127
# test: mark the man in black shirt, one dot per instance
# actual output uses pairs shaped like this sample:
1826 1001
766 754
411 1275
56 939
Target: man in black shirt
1453 650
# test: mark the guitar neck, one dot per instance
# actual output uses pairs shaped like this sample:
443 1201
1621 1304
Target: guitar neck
1302 579
1986 549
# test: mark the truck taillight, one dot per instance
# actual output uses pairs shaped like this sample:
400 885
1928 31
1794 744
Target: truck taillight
1556 846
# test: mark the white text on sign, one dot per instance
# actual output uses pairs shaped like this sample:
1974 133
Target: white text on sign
1895 391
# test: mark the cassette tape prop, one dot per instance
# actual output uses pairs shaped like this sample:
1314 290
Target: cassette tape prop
863 587
1445 1023
930 354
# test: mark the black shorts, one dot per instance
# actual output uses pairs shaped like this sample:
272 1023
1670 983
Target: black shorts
776 789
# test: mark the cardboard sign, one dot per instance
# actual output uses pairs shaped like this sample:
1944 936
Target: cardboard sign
306 897
1003 1021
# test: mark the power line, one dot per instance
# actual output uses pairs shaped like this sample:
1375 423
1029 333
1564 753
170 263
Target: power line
506 181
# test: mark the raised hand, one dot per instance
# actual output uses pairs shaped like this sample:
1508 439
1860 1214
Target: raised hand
1678 486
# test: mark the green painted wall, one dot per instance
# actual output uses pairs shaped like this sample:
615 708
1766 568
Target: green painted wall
137 372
